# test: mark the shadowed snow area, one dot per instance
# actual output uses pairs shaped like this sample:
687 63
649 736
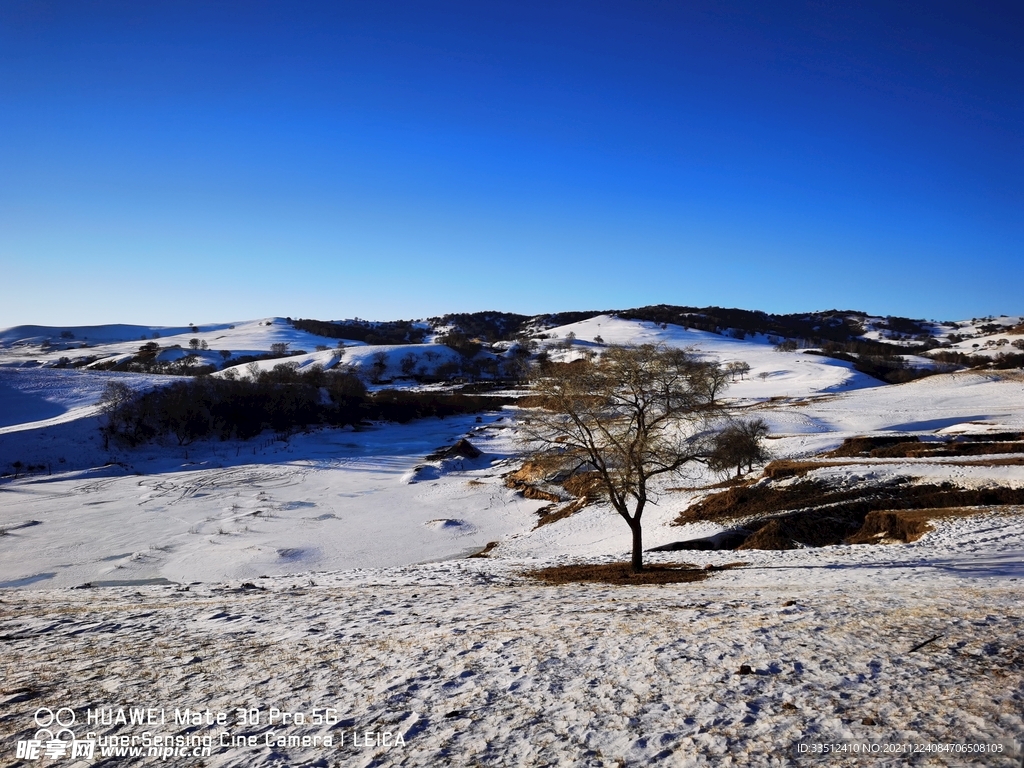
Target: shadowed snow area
18 406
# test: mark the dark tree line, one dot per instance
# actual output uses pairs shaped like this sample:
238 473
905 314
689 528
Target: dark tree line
1001 361
283 400
815 328
505 326
392 332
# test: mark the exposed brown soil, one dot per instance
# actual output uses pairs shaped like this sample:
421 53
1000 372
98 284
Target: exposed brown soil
862 446
802 529
903 447
993 437
927 450
1014 461
530 472
622 573
585 485
902 525
782 468
815 514
533 492
525 478
553 513
745 501
462 449
486 551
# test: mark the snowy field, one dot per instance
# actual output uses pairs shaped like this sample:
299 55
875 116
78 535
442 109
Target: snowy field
358 597
473 666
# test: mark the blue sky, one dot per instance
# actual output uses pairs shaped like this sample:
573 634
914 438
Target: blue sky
171 162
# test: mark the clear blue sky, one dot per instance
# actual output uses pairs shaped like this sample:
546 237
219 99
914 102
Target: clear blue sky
171 162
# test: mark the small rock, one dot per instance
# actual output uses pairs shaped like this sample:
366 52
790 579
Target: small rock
463 448
745 670
868 721
788 603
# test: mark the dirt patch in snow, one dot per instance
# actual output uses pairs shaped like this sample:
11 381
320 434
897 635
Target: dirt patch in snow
486 551
622 573
462 449
816 514
552 513
537 494
903 525
903 447
863 446
545 481
783 468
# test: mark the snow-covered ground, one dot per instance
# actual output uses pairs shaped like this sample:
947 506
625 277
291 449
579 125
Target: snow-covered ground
473 665
325 500
772 374
361 598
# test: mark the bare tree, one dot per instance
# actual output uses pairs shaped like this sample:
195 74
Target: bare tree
632 415
408 364
738 368
515 368
379 366
279 348
739 445
113 403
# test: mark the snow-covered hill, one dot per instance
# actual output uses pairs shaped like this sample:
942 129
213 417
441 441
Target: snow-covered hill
337 499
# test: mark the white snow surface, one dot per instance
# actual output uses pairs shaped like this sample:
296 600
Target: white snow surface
360 598
785 374
472 664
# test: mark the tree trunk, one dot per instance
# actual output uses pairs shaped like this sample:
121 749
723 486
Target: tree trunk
638 547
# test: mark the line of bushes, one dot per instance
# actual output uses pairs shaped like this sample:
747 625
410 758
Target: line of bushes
1001 361
890 369
391 332
282 400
